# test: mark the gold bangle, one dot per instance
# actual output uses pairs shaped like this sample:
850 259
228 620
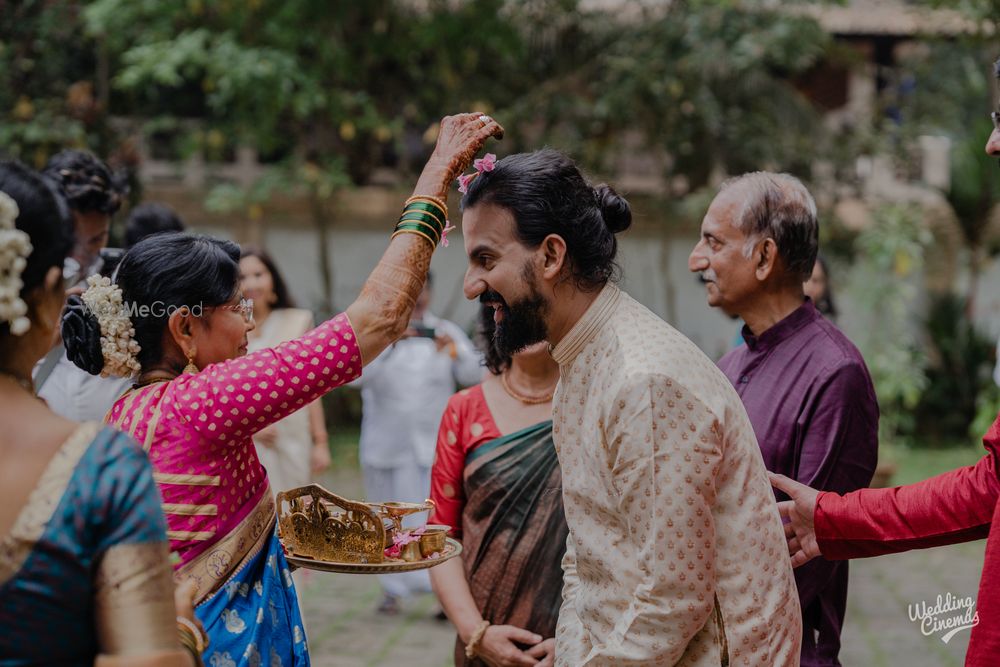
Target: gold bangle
189 647
413 231
472 648
187 627
437 201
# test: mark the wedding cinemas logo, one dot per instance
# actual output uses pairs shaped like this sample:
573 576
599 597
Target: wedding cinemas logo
948 614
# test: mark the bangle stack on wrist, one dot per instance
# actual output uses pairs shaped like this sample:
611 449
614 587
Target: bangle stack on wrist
472 648
192 638
425 216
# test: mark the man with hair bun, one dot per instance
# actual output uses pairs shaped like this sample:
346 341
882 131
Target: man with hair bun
675 554
804 384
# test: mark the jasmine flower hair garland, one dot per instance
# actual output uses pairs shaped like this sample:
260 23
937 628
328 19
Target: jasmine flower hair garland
15 248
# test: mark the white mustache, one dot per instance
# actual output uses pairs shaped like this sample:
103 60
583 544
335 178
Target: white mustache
708 275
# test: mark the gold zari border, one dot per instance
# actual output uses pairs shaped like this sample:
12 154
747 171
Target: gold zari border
43 501
218 563
190 510
134 599
186 480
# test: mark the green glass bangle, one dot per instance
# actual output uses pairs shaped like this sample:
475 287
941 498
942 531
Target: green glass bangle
420 216
441 216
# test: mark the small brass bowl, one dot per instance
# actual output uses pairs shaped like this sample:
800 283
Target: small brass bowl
433 540
411 552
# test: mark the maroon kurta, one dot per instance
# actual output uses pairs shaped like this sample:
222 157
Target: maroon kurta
957 506
813 408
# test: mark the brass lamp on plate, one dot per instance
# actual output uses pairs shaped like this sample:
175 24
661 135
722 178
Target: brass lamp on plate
323 531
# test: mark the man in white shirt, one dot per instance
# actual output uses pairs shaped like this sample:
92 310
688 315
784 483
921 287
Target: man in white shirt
404 392
71 391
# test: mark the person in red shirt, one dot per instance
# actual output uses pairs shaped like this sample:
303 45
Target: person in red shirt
957 506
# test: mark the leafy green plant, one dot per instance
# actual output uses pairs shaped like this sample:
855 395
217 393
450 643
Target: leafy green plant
884 283
958 372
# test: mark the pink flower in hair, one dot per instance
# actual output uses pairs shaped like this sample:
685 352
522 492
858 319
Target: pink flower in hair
444 235
464 180
486 163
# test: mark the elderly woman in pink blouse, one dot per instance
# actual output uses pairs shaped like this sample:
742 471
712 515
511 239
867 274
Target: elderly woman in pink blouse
175 318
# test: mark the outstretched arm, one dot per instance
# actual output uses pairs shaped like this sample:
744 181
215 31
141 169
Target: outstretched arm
956 506
381 312
241 396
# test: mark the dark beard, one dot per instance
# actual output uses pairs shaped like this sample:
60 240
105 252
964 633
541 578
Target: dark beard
523 322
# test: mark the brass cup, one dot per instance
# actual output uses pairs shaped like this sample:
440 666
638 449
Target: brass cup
411 552
433 540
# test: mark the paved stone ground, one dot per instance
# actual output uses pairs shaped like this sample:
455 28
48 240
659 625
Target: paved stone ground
345 631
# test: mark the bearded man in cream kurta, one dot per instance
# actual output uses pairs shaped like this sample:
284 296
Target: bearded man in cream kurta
676 554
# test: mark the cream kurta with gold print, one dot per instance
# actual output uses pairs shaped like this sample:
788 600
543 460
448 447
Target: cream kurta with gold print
676 554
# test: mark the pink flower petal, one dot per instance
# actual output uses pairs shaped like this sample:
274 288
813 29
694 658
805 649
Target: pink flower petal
444 242
463 182
486 163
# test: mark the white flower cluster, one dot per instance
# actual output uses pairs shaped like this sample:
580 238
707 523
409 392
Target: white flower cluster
15 247
118 345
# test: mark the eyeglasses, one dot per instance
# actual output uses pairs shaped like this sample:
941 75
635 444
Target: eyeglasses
995 117
244 308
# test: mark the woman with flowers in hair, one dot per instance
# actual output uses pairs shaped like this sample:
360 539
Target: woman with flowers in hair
175 314
83 549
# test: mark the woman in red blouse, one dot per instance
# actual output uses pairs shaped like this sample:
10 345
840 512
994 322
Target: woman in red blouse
496 482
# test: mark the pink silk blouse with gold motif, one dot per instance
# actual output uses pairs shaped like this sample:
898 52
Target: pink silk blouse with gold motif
197 429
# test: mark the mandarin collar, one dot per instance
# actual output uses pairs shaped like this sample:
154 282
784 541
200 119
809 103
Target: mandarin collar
588 326
794 321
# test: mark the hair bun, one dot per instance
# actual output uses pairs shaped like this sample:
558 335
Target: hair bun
81 334
614 209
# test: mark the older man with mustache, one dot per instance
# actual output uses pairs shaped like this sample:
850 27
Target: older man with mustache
804 384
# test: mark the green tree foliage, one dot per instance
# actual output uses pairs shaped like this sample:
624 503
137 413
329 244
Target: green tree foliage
889 252
47 81
347 79
706 82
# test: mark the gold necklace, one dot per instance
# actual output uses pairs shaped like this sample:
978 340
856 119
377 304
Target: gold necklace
527 400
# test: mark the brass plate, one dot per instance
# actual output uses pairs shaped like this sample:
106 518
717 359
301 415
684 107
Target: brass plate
453 548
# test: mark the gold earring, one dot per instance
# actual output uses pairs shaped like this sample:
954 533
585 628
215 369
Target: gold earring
191 368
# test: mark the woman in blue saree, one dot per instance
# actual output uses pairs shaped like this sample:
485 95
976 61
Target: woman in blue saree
200 398
84 572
